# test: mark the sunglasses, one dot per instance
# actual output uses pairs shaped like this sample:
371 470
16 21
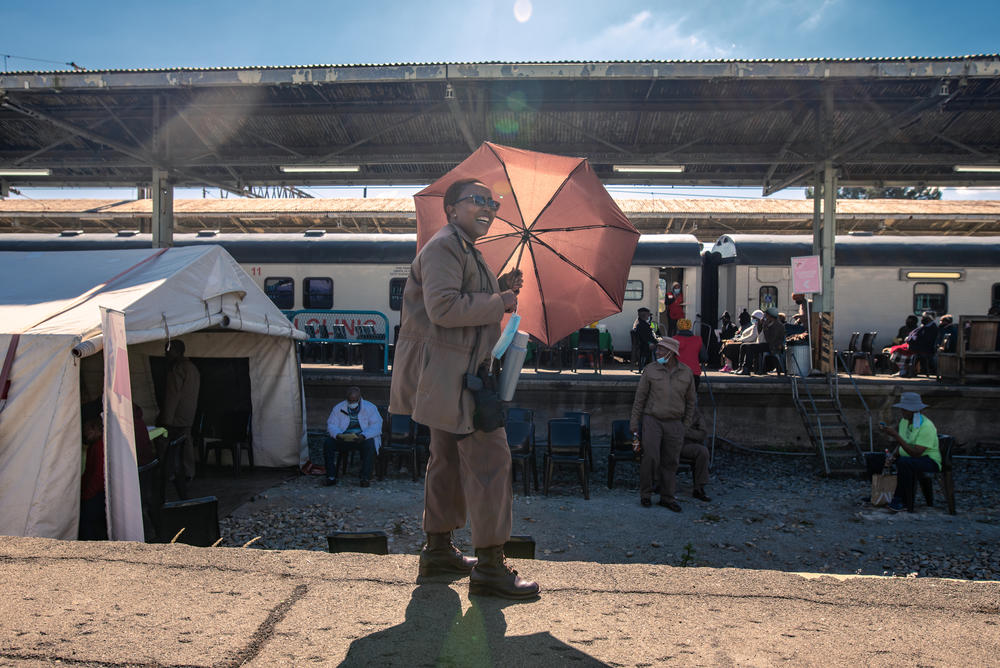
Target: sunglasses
479 200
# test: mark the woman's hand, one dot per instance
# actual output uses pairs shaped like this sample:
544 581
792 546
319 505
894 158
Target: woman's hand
509 301
513 280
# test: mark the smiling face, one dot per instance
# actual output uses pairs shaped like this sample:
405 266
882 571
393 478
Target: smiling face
472 219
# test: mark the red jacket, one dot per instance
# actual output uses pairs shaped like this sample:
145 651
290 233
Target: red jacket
675 305
690 346
92 482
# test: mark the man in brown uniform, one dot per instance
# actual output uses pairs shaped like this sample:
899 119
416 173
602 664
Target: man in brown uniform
180 403
452 307
664 405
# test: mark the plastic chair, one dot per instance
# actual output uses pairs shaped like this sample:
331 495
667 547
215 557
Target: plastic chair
866 351
520 439
852 347
230 430
584 418
400 440
621 448
779 361
588 343
554 351
524 415
946 444
566 446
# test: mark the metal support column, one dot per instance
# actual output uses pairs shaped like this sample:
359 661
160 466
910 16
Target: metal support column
163 210
828 232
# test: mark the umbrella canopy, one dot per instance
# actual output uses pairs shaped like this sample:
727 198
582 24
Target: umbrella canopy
556 223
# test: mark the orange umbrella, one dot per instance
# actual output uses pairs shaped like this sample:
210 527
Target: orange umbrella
557 224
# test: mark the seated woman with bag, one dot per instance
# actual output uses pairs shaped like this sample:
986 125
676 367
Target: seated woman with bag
917 439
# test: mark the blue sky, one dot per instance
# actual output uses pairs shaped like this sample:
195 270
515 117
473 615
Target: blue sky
115 34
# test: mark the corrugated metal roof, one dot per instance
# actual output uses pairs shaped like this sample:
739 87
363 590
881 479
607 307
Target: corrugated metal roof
888 59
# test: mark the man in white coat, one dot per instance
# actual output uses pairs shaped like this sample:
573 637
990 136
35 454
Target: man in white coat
354 424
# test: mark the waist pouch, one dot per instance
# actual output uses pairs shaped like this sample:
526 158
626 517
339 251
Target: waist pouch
488 414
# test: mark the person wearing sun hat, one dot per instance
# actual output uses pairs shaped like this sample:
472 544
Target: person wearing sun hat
664 407
918 451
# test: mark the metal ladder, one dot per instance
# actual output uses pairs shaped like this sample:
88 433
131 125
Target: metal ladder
818 404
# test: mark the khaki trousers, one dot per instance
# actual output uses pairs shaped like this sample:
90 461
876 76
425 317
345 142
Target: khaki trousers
187 460
662 441
470 478
698 455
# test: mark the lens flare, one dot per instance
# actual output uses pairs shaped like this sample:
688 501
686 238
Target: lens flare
522 10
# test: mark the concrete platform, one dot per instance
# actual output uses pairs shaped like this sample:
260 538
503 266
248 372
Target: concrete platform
127 604
755 411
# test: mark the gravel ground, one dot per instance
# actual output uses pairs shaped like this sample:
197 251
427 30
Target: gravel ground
767 512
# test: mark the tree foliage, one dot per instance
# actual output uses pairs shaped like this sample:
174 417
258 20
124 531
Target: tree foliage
906 192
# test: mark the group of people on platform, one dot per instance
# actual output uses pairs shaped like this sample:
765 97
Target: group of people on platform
919 342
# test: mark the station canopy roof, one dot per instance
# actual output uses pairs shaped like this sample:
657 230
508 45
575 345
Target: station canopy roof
767 123
706 218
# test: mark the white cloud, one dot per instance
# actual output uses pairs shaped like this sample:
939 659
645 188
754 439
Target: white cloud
812 21
645 35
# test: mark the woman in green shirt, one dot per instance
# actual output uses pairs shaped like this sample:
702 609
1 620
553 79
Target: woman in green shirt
918 447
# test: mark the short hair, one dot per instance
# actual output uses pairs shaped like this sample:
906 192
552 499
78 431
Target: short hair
352 389
176 345
928 314
644 310
451 195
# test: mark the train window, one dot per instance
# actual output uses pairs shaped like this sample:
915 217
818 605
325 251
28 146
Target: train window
930 297
317 293
995 299
396 286
768 296
281 291
633 291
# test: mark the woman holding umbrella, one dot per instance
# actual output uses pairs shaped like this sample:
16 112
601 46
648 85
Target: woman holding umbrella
452 307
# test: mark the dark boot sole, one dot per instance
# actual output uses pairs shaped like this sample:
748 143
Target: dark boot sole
476 589
431 571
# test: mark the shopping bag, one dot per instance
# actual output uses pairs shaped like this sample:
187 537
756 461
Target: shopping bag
883 487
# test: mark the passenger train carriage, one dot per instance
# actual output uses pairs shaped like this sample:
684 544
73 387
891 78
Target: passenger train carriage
879 280
351 272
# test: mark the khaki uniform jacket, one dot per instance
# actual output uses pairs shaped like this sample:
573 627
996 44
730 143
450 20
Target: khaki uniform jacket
666 393
450 295
774 336
180 395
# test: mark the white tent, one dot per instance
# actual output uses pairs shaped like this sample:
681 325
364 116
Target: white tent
164 294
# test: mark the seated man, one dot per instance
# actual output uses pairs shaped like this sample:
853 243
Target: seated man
917 447
773 341
947 340
694 451
645 339
354 424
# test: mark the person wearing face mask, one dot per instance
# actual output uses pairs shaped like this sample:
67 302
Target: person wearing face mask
643 336
452 307
920 346
664 407
917 449
354 424
675 307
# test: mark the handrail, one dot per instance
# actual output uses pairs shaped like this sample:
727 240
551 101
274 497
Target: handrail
711 395
812 401
864 403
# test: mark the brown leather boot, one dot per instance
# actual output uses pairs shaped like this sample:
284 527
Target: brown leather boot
493 577
440 557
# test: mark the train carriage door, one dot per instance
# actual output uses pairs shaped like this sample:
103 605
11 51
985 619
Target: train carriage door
668 276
